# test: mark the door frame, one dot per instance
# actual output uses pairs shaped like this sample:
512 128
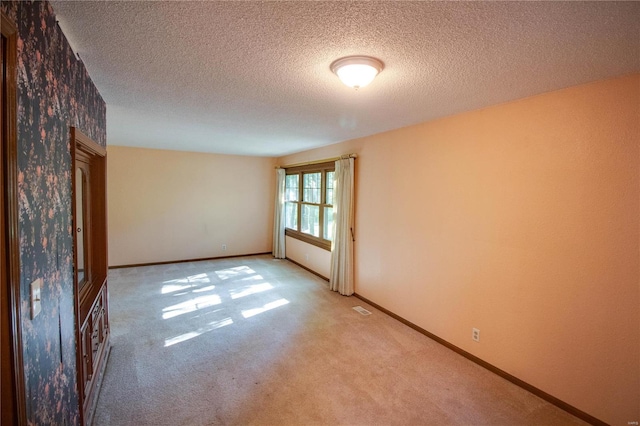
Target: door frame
91 157
13 387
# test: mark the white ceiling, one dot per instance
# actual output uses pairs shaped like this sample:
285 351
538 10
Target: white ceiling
253 78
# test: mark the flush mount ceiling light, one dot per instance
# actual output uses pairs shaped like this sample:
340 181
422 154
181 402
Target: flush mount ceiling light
357 71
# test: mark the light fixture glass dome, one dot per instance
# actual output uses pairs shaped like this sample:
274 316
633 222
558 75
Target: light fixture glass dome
357 71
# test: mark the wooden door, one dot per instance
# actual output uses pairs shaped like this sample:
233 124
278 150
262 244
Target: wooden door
90 259
12 402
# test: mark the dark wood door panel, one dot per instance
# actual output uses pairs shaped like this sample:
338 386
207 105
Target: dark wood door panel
90 265
12 388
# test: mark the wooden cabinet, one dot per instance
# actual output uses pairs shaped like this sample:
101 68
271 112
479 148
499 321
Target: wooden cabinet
90 260
94 344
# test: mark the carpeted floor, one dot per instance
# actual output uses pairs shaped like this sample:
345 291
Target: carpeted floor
253 340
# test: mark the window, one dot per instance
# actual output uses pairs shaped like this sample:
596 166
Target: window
309 203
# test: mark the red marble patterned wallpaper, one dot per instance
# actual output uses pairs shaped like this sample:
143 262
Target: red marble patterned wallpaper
54 93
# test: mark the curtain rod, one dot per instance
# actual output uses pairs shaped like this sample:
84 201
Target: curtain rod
326 160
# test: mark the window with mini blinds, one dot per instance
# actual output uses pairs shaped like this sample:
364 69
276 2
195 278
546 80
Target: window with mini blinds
309 203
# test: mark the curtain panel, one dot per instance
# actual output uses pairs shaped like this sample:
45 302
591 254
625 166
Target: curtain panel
342 276
278 216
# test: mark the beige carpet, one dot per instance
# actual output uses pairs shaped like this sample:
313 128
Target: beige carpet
254 340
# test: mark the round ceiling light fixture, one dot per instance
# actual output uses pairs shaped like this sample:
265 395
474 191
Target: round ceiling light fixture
357 71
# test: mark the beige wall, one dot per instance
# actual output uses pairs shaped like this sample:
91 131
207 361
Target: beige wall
168 205
315 258
521 220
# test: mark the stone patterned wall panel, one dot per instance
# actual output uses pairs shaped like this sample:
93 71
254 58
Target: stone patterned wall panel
54 93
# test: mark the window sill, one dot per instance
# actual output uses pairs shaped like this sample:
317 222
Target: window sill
323 244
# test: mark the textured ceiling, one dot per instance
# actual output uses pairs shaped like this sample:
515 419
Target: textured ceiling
253 78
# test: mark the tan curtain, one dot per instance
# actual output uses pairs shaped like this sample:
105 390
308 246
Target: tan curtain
278 216
342 278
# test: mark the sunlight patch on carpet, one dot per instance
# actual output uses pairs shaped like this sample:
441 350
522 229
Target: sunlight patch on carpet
191 306
225 274
248 313
203 289
184 283
190 335
249 290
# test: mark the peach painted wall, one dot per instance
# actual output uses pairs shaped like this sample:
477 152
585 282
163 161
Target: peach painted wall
521 220
170 205
308 255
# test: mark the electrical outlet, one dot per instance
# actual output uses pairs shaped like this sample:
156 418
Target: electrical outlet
36 289
224 247
475 334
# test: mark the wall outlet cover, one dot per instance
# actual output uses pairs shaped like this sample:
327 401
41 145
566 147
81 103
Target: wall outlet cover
475 334
36 297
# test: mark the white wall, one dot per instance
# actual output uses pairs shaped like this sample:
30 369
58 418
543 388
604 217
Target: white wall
315 258
170 205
